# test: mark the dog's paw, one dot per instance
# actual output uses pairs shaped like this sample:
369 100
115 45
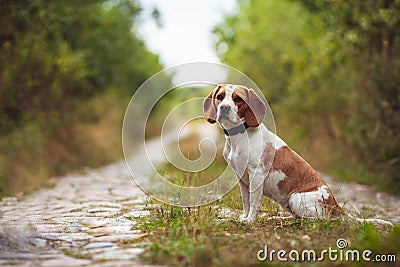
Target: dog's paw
245 220
243 216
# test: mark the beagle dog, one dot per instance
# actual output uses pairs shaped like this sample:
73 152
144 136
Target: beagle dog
262 162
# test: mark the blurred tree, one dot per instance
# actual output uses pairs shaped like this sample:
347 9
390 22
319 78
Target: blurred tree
367 34
56 59
53 53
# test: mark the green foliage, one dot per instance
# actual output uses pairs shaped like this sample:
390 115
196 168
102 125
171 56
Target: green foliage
54 58
370 238
330 70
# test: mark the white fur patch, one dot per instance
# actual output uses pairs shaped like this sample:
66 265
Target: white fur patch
230 87
270 137
277 142
271 188
309 204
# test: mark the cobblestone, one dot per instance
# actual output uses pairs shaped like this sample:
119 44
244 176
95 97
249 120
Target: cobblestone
84 220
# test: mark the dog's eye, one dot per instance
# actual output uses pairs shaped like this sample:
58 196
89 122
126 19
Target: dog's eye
220 97
238 99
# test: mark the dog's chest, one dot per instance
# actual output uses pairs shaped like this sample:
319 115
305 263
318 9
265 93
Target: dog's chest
244 151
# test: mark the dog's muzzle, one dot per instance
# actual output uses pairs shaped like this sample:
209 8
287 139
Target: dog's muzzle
224 110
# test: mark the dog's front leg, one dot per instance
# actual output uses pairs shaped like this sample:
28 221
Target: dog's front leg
255 196
244 191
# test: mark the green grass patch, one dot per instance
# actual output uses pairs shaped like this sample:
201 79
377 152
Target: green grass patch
205 237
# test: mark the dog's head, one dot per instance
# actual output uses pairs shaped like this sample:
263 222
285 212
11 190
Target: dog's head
230 105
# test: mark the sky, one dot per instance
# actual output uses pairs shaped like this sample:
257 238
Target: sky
185 35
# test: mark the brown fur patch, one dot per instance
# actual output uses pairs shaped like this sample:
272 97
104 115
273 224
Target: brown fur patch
242 106
210 104
268 156
221 91
253 108
300 176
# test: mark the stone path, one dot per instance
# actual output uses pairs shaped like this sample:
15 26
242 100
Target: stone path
88 219
84 220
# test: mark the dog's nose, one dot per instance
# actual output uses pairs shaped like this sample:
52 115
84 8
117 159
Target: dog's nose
225 109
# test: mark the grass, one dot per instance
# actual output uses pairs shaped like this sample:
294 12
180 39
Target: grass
211 235
203 236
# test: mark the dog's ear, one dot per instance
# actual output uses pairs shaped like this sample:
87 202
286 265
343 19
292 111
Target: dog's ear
210 106
255 111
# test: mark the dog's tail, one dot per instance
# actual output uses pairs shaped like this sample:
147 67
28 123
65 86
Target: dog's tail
373 221
336 210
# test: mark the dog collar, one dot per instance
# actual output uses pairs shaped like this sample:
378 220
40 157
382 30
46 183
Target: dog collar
236 130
